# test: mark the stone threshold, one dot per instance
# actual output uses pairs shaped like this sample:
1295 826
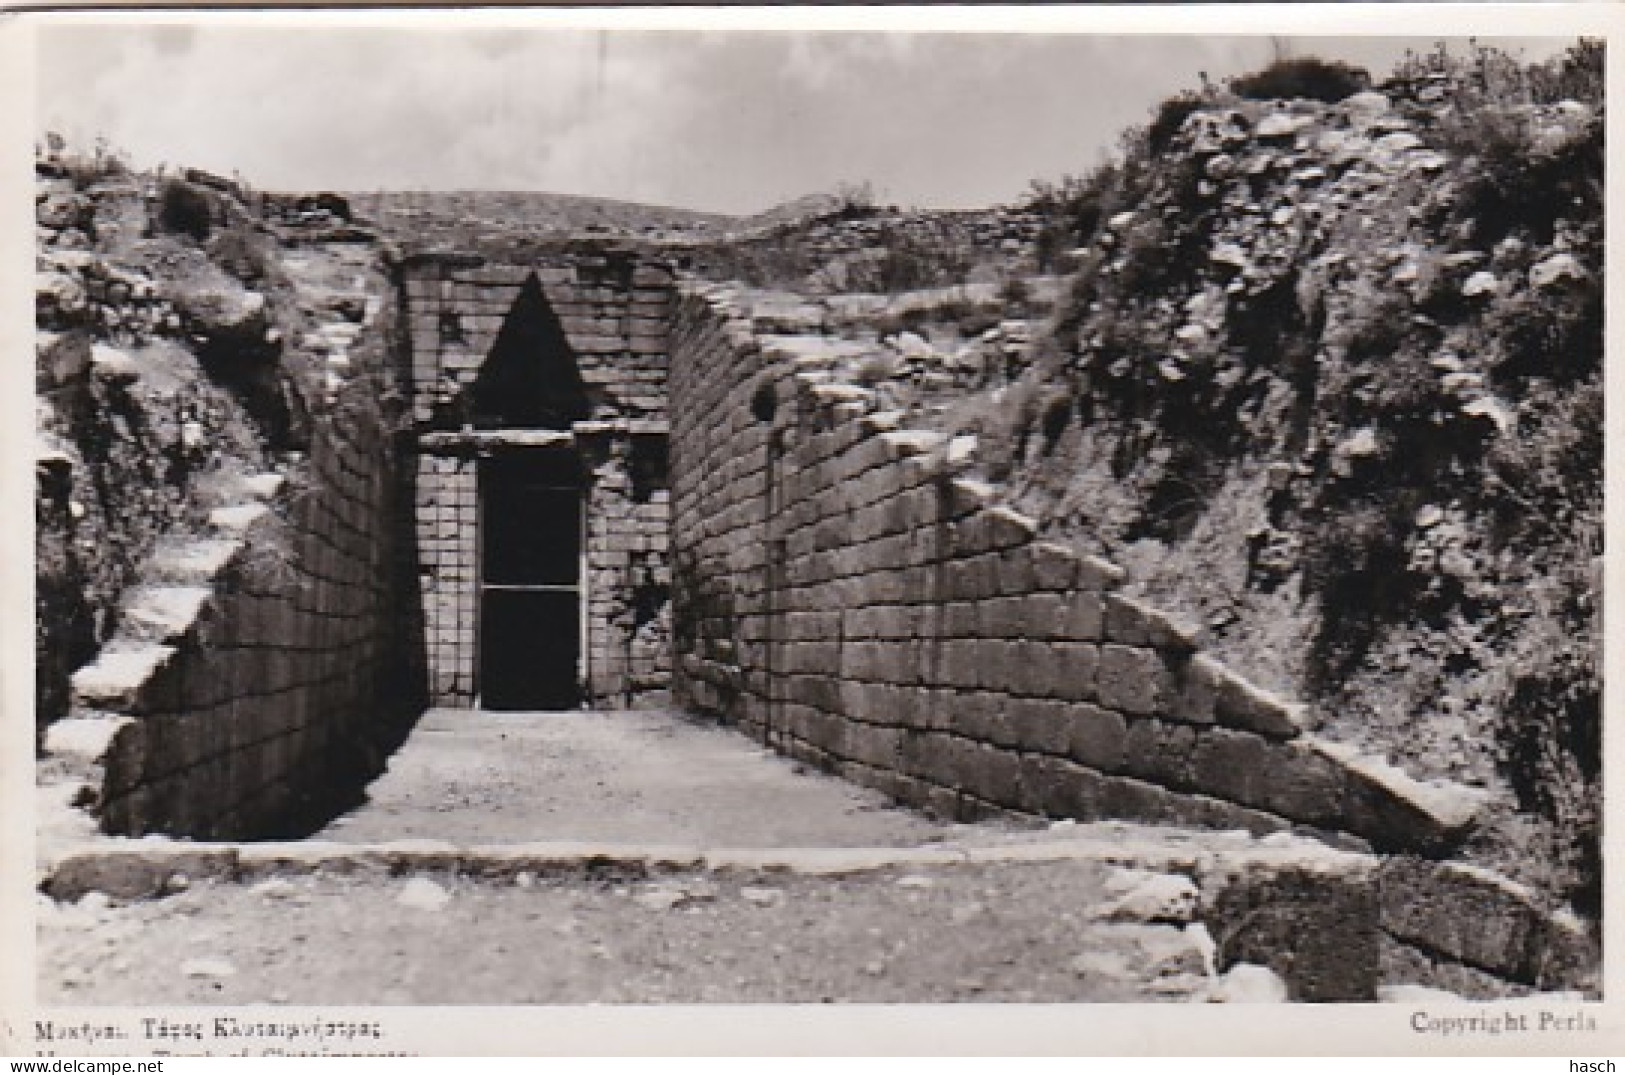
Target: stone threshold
153 867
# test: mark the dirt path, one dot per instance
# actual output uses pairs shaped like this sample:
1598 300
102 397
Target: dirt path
643 777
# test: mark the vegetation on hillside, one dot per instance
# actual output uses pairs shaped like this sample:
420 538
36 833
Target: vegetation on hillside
177 358
1329 380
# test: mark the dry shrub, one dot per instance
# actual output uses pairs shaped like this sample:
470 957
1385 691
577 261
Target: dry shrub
184 209
1302 77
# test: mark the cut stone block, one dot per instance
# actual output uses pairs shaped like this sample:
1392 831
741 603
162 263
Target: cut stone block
1231 765
1394 810
1097 737
1311 917
1008 528
135 869
966 495
1095 573
1239 704
238 518
114 680
85 738
194 561
165 613
1194 692
901 442
1055 567
1486 921
1125 621
1128 679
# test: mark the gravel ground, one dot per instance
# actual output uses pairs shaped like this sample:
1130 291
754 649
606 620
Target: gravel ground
1011 932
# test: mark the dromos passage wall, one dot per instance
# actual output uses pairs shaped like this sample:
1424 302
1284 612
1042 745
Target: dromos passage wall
845 594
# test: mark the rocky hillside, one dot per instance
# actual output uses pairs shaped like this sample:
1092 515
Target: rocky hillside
1329 382
476 219
856 245
189 338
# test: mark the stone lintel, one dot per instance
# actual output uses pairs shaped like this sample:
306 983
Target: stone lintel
451 440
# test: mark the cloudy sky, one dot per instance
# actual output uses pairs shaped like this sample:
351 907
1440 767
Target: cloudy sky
731 121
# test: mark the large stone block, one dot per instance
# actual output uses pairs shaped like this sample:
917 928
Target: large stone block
1125 621
1076 671
1231 765
951 666
1008 529
1137 800
1002 617
1045 616
995 659
936 708
1315 923
871 745
1239 704
1015 571
1038 724
1129 678
1160 752
1084 615
1396 812
978 715
1305 786
1055 787
1039 670
1193 689
993 774
934 757
1055 567
1479 918
1096 737
1200 811
1405 965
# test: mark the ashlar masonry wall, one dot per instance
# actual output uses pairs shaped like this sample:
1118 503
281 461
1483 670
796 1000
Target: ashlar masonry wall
614 309
269 664
841 591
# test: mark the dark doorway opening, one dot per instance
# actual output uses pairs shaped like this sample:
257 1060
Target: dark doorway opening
530 584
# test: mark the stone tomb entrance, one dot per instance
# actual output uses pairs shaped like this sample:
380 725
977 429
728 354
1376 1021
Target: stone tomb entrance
531 623
539 394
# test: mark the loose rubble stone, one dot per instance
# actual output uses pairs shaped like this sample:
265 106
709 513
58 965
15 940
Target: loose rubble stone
208 968
1150 897
1555 270
1248 983
422 894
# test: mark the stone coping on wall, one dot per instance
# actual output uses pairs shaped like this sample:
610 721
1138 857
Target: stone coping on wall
123 682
